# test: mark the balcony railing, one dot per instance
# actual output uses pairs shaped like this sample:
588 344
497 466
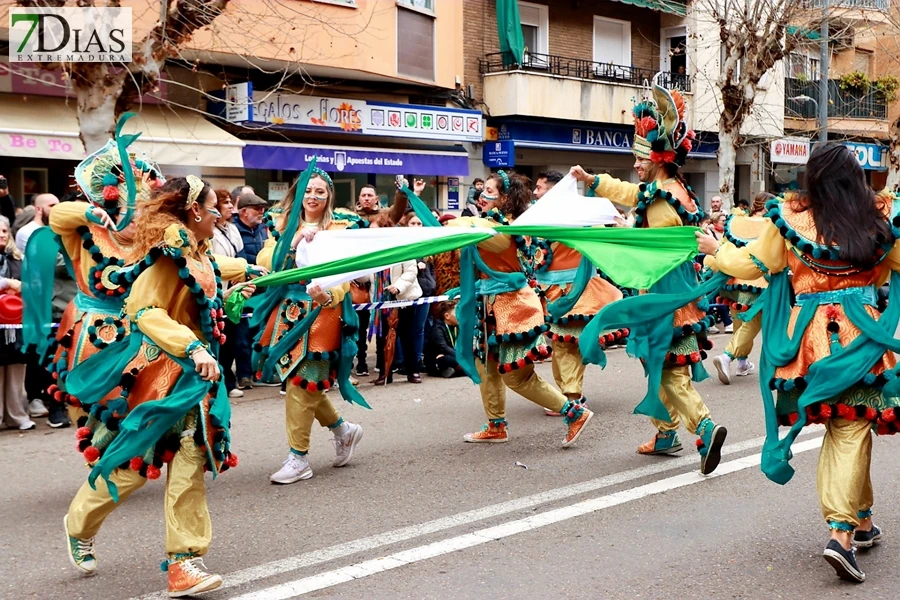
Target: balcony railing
580 69
847 105
882 5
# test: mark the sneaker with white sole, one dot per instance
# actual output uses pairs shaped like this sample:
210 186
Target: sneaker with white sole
867 539
294 468
236 393
344 445
188 576
745 368
36 408
714 329
81 552
723 366
844 562
27 425
729 328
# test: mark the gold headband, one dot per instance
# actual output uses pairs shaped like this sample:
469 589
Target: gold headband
196 186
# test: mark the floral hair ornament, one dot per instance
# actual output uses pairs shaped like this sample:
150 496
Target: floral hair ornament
660 131
107 185
325 176
505 178
196 186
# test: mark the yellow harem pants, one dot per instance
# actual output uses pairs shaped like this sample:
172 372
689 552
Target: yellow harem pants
681 399
741 343
524 382
301 408
188 526
843 479
568 368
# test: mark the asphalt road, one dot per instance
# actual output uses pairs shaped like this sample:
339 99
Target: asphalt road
420 514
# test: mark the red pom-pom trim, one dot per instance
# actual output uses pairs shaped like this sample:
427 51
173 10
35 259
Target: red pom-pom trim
232 461
871 414
91 454
136 463
793 418
167 456
153 472
311 386
83 433
825 411
662 157
110 192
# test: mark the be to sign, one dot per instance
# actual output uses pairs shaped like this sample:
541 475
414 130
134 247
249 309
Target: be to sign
40 146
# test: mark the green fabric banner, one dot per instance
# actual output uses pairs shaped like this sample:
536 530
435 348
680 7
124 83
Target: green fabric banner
38 273
509 33
614 250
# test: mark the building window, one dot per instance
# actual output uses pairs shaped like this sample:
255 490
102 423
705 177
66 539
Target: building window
612 47
862 61
426 5
674 56
415 44
535 33
802 66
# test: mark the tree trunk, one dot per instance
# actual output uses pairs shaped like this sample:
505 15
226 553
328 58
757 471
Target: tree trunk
893 178
727 157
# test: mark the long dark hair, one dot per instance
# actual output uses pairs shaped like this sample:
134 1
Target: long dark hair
516 198
843 205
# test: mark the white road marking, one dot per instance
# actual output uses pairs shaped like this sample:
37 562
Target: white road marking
316 557
306 585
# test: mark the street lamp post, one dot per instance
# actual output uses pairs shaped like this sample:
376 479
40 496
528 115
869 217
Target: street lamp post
804 98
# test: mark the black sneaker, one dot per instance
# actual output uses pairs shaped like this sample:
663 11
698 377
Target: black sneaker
245 383
58 418
362 371
844 562
867 539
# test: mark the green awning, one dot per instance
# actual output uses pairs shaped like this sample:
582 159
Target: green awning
672 7
810 34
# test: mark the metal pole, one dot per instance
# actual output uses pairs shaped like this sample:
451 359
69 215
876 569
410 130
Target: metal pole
823 75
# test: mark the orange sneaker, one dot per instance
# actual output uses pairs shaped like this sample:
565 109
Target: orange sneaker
188 576
492 433
576 427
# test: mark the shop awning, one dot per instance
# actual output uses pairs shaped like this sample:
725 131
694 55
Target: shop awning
453 161
36 127
672 7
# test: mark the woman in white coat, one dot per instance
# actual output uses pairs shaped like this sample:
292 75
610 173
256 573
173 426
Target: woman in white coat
400 282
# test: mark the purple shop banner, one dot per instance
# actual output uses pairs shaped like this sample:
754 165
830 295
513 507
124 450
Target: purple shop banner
293 158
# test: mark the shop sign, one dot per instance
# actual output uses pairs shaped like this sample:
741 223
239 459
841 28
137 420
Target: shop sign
499 154
871 157
32 80
41 146
433 122
292 111
386 162
577 136
453 193
790 150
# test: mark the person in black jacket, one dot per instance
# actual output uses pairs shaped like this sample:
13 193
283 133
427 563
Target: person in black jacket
440 355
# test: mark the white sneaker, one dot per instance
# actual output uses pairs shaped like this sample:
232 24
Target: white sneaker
36 408
27 425
745 368
723 366
713 329
729 328
345 445
294 468
236 393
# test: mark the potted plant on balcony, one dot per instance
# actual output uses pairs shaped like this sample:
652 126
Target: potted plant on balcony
855 82
887 86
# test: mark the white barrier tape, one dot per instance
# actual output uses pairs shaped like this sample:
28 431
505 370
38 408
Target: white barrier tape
400 303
